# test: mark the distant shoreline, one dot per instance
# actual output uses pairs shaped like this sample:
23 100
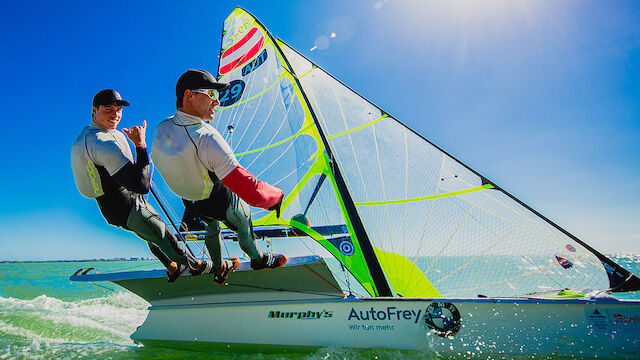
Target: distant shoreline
84 260
617 255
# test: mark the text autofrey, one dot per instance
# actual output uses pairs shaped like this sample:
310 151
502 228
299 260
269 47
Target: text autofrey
390 313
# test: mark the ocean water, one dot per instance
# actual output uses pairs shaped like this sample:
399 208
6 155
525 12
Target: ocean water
43 315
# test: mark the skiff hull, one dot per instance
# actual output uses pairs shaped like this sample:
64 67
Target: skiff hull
486 326
255 312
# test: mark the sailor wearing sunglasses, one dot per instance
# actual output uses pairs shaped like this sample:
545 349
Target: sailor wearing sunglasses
200 167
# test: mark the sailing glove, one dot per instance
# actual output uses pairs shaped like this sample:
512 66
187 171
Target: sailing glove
276 207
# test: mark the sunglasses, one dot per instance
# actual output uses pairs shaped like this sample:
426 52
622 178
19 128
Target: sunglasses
212 93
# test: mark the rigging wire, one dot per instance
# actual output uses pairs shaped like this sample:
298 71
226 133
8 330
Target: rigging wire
165 200
323 280
201 248
346 277
178 233
344 282
160 199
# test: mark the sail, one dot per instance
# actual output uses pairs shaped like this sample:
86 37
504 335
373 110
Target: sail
467 235
414 220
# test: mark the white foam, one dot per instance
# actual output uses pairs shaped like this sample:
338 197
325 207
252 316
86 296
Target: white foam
18 331
116 316
78 321
64 351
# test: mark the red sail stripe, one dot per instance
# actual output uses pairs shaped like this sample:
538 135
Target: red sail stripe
243 59
239 43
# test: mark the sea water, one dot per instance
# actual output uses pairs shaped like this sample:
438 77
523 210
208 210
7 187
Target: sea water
43 315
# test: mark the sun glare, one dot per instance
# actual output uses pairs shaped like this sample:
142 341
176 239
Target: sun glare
469 15
468 26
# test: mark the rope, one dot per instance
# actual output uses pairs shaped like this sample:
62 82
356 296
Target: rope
320 277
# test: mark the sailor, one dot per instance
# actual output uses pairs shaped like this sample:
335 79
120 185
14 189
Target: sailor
199 166
104 169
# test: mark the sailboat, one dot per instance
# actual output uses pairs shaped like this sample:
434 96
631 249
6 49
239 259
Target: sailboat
408 247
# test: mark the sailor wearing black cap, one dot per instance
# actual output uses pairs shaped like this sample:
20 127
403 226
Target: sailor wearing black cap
199 166
104 169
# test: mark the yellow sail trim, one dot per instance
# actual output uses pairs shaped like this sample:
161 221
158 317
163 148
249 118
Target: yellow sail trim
404 276
359 127
253 97
302 131
431 197
567 294
307 73
270 219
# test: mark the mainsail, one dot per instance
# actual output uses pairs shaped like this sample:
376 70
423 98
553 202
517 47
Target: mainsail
408 218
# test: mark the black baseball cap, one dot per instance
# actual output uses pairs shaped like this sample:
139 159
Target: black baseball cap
198 79
108 97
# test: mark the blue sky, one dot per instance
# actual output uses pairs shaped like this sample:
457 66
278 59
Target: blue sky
541 97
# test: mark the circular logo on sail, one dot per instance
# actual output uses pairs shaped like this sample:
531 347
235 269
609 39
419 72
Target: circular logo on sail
346 247
442 318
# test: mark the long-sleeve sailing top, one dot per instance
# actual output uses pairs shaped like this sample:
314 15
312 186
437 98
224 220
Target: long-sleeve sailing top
104 169
195 161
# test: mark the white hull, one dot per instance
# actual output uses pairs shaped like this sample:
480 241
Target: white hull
255 312
507 326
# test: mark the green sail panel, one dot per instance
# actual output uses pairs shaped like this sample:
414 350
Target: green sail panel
465 235
405 277
265 119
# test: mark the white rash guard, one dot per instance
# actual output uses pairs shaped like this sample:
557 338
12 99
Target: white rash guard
196 161
185 149
96 145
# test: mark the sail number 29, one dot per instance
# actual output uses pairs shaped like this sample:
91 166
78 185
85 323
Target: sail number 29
232 94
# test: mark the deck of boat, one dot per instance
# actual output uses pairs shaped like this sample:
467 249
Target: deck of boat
302 278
